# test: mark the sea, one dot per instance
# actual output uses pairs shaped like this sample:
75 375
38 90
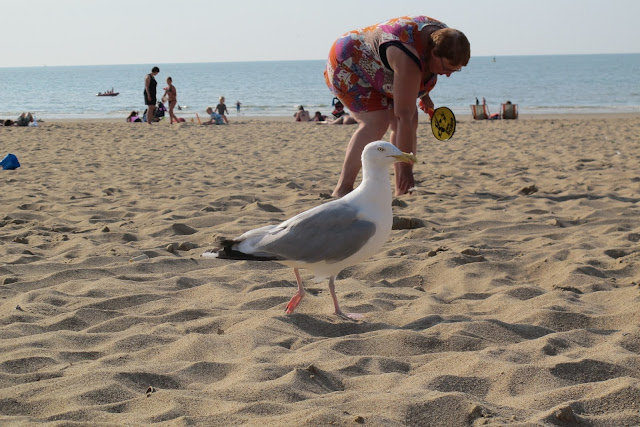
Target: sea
606 83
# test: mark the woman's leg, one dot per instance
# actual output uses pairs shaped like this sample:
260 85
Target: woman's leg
371 127
172 116
150 116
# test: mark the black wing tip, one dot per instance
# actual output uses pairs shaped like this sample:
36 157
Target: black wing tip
226 251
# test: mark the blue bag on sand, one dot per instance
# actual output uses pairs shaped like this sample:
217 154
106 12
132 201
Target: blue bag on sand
10 161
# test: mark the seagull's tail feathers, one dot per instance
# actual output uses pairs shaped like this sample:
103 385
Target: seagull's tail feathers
227 251
245 247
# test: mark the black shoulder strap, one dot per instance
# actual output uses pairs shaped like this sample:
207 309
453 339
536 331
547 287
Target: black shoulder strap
402 47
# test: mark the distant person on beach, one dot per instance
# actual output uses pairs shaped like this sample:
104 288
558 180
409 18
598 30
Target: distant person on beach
160 110
215 118
150 92
221 109
133 117
171 95
344 119
145 116
238 104
318 117
377 71
338 108
25 119
302 115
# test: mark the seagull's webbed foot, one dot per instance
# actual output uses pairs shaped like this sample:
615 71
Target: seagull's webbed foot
338 312
295 300
350 316
293 303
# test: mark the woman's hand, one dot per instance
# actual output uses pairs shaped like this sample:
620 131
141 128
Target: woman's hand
426 104
404 178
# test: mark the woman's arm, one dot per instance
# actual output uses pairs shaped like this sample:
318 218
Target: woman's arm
406 85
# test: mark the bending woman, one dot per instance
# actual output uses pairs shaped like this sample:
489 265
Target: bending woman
378 72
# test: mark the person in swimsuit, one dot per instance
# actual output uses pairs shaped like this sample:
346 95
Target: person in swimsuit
378 72
150 93
171 94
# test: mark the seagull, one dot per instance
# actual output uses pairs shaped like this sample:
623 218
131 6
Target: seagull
330 237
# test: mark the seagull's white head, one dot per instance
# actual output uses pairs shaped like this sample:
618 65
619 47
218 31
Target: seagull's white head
383 153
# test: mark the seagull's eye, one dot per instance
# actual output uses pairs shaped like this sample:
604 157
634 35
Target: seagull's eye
380 149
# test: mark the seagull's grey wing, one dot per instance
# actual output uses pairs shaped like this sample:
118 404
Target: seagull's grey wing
330 232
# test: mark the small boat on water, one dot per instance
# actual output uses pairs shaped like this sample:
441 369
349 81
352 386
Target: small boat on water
108 93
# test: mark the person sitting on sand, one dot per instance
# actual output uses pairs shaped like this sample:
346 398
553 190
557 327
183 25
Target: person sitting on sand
25 119
133 117
302 115
216 119
344 119
338 110
318 117
160 110
144 117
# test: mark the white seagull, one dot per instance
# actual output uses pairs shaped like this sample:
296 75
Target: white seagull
330 237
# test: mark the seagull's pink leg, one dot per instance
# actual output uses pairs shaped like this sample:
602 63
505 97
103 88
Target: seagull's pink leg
332 289
293 303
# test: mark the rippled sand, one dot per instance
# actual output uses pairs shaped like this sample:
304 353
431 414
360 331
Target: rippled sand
507 295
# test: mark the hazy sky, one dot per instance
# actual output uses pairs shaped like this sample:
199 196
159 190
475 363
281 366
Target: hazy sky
78 32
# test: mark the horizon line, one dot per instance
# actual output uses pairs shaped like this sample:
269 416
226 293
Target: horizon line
293 60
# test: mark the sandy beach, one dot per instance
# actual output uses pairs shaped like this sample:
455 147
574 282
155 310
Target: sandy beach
507 294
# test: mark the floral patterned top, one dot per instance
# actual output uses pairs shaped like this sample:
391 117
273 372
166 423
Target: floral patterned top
356 70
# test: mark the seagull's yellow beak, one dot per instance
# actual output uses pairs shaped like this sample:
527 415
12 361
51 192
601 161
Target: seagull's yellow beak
406 157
